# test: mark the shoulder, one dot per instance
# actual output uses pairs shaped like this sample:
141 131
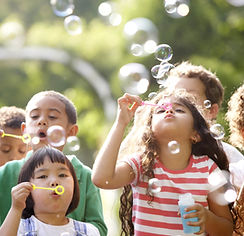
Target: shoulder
11 168
204 162
86 228
232 153
78 165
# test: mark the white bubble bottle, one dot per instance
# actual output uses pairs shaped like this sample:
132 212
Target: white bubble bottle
186 200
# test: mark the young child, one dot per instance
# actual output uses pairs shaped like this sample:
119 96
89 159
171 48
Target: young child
177 171
235 117
46 109
209 91
11 119
45 211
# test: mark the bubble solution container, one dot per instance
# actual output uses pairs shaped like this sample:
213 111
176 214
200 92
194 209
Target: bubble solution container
186 200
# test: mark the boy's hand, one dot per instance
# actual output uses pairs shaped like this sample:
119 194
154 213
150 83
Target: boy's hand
200 213
19 194
127 106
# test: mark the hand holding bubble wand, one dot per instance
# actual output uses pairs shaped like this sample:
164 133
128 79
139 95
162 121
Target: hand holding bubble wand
26 138
58 189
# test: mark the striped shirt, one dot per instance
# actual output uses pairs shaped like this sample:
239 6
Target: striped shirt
160 217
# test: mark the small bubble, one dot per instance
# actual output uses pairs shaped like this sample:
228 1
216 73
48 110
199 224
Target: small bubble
174 147
35 140
106 182
62 8
72 25
207 104
163 52
154 186
217 131
230 195
152 95
56 136
73 143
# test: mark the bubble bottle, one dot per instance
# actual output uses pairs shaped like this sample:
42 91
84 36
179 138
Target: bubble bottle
186 200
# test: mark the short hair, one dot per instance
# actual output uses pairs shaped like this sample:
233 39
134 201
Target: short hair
235 117
27 172
69 106
214 90
11 117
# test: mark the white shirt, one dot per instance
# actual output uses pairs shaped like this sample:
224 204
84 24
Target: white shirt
236 166
43 229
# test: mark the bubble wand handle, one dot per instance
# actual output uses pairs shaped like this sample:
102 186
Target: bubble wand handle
57 191
25 138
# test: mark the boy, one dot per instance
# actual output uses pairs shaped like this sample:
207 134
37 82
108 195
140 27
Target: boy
11 119
205 86
46 109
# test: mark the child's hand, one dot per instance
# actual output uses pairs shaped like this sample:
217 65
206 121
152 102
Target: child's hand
1 133
19 194
200 213
127 106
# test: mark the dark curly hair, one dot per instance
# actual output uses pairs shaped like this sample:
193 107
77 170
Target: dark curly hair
149 149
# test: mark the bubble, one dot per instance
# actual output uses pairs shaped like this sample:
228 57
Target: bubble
163 52
115 19
62 8
236 3
136 49
141 31
152 95
35 140
160 72
73 143
105 8
56 136
217 131
154 185
26 138
230 195
134 78
106 182
174 147
72 25
170 6
207 104
217 179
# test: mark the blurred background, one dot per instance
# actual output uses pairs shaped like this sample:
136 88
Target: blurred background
93 51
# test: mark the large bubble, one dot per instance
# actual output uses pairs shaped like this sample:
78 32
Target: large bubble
62 8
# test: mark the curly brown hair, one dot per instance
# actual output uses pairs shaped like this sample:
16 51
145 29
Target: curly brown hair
144 142
235 117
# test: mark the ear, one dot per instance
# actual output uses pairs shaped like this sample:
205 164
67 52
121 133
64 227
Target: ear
73 130
195 138
214 111
23 126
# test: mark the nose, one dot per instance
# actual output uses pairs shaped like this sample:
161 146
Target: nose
169 110
42 122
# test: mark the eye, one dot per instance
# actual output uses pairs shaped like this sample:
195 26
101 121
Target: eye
160 110
34 117
42 177
62 175
5 151
179 110
52 117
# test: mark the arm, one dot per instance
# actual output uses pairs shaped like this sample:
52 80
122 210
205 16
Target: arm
106 174
11 223
217 221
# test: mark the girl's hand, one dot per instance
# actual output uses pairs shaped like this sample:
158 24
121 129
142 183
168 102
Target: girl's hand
127 106
200 213
19 194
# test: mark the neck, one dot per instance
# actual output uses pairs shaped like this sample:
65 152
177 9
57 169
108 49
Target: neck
52 219
175 161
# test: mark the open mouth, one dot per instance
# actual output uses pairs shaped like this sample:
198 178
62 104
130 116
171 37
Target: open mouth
42 134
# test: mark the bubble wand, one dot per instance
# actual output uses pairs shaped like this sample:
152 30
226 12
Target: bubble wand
58 190
26 138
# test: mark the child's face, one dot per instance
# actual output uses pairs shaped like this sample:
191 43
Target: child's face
49 175
42 113
11 148
174 123
196 88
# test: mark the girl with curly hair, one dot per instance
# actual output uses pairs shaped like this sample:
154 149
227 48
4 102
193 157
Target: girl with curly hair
169 118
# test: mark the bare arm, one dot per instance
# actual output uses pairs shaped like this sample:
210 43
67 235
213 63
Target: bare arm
217 221
106 174
11 223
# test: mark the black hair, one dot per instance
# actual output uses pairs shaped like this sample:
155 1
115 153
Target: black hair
27 172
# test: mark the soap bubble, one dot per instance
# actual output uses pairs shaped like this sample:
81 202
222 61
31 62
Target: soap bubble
177 8
62 8
217 179
163 52
152 95
230 195
154 185
35 140
207 104
174 147
236 3
72 25
134 78
56 136
170 6
217 131
73 143
160 72
141 31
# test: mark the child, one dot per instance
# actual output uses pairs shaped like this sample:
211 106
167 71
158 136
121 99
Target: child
44 211
235 117
46 109
11 119
182 171
205 85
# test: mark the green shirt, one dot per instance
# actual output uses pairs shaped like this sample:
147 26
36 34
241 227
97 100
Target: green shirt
90 205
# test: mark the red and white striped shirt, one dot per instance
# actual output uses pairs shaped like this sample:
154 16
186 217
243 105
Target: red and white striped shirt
160 217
